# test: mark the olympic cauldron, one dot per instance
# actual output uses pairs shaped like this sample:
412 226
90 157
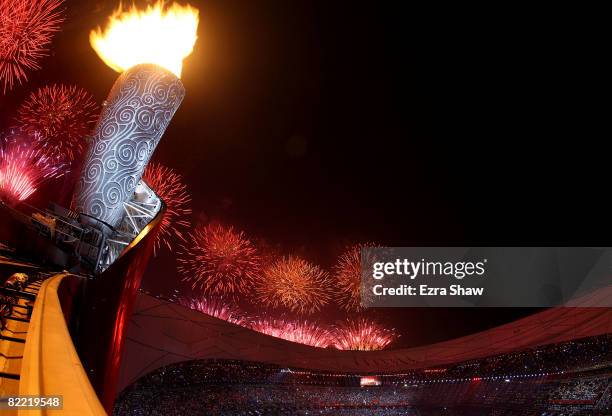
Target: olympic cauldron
148 47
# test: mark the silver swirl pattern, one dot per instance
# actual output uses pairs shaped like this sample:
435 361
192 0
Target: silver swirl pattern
139 108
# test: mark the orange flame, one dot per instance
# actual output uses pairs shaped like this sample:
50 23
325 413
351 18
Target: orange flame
157 35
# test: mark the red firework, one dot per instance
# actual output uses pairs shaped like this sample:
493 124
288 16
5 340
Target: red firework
216 307
347 272
23 170
294 283
169 186
219 260
26 29
60 116
362 334
300 331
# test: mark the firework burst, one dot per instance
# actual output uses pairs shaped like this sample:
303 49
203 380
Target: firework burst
217 307
362 334
219 260
300 331
169 186
26 29
23 170
347 272
294 283
60 116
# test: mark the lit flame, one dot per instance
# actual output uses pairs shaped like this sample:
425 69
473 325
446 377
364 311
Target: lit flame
158 35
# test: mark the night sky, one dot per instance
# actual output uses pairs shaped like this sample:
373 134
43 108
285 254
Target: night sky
313 125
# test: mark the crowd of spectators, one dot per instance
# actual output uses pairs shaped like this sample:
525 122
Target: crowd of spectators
244 399
539 384
586 390
579 355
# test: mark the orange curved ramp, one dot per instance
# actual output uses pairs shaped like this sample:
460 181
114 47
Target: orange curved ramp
51 365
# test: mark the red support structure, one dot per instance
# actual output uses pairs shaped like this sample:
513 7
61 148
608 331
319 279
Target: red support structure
107 307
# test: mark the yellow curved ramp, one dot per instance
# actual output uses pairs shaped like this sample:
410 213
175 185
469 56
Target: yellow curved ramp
51 365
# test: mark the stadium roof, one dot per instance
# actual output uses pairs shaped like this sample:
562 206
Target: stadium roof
163 333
